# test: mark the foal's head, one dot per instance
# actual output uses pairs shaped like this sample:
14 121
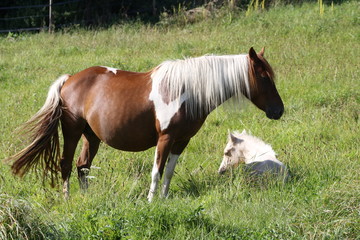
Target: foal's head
233 153
263 92
245 148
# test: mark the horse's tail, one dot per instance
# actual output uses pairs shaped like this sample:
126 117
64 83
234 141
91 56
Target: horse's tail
44 150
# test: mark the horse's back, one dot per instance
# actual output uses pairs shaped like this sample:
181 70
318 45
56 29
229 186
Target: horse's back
98 78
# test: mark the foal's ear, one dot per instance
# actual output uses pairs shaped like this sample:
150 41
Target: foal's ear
233 138
229 135
252 54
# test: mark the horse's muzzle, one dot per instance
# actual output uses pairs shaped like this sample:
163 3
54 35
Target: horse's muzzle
275 113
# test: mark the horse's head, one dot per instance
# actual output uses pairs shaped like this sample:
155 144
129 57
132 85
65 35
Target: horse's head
263 92
233 153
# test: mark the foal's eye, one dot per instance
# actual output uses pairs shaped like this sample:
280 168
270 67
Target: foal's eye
228 154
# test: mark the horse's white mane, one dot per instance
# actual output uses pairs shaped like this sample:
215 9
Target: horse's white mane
206 81
256 149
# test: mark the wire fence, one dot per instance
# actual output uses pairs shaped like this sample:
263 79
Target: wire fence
37 17
45 15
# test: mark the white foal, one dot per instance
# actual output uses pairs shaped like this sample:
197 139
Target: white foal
258 156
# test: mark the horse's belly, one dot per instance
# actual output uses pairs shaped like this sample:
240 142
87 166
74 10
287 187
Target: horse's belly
131 133
130 142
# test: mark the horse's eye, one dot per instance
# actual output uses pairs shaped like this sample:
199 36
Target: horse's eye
228 153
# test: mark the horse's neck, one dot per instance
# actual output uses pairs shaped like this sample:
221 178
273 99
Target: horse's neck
218 103
207 81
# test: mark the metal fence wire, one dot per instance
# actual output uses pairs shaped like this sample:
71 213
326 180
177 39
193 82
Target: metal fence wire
33 17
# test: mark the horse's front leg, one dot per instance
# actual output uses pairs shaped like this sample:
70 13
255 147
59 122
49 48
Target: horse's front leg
162 151
176 150
169 172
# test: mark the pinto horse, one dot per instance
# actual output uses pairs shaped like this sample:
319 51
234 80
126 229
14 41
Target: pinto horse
133 111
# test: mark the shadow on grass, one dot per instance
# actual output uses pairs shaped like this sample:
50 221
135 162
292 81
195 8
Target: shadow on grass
197 184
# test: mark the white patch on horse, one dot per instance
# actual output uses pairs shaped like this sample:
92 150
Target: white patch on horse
155 178
110 69
164 111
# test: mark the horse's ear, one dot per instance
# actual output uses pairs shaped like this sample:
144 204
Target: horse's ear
252 54
262 52
234 139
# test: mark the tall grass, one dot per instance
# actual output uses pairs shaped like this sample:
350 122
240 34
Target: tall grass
255 5
316 61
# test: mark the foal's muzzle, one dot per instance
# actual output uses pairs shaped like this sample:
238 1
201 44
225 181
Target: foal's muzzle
275 112
221 171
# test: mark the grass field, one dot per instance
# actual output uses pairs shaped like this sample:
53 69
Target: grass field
316 60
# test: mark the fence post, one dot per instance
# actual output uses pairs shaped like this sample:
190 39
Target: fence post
154 7
50 16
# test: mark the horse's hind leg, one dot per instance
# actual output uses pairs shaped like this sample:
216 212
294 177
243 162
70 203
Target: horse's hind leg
72 133
89 149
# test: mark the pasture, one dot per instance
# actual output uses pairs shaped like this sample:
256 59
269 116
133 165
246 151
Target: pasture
316 60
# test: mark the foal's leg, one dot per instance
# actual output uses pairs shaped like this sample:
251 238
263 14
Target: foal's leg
176 150
161 153
72 133
89 149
